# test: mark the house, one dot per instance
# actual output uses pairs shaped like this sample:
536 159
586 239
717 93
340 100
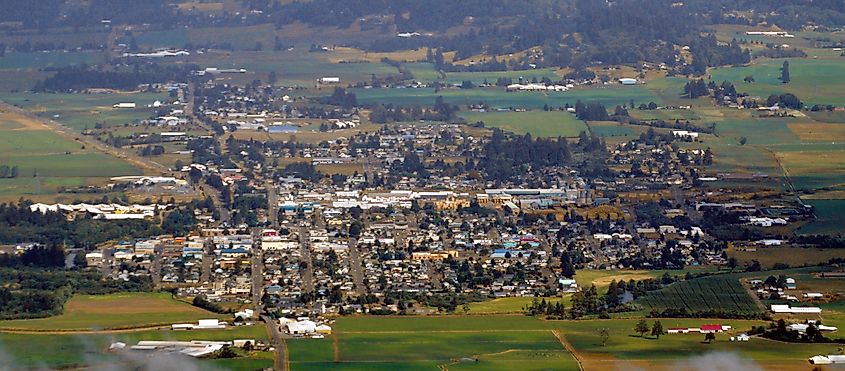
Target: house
790 284
741 337
568 285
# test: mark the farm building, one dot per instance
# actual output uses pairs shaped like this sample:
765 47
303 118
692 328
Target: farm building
124 105
785 308
741 337
704 329
627 81
802 327
827 360
203 324
329 80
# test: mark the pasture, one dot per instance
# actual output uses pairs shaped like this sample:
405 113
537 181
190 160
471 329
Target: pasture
537 123
794 256
509 305
129 310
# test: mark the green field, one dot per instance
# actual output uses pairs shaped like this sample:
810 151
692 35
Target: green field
81 111
538 123
411 343
509 305
84 312
814 81
34 61
90 350
829 217
722 293
610 96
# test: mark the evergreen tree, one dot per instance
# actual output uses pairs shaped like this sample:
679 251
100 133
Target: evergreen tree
784 72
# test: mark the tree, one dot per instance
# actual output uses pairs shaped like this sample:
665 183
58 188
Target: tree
604 333
641 328
710 337
657 329
784 73
466 308
743 140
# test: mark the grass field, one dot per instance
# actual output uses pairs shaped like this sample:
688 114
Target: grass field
419 343
814 81
81 111
509 305
34 61
83 312
538 123
58 161
794 256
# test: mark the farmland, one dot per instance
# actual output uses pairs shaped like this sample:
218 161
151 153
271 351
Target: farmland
722 293
83 312
404 343
58 161
538 123
829 217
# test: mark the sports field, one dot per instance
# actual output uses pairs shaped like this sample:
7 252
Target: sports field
537 123
96 312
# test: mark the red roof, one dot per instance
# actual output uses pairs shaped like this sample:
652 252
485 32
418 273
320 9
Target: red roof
711 328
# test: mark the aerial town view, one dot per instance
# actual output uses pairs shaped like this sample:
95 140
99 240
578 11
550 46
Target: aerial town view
422 185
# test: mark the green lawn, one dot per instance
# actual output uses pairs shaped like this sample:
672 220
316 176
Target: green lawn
829 217
128 310
538 123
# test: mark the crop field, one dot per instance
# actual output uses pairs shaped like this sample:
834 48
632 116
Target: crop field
829 217
610 96
612 129
71 38
84 312
626 350
814 81
26 351
34 61
509 305
717 293
538 123
407 343
794 256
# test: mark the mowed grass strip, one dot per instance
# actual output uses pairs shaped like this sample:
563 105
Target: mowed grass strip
98 312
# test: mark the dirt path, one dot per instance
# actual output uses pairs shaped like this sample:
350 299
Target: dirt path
569 348
752 294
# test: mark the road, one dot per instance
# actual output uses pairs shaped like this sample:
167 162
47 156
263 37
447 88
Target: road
355 269
207 190
308 273
257 277
272 203
108 260
278 341
207 259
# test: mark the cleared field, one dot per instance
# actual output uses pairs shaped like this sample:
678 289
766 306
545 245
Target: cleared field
814 167
537 123
721 293
34 61
86 312
610 129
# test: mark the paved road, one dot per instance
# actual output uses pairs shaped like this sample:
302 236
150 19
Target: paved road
278 341
207 190
272 203
355 269
207 259
308 273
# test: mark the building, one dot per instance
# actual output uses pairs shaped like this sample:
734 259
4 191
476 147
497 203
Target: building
627 81
785 308
329 80
124 105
